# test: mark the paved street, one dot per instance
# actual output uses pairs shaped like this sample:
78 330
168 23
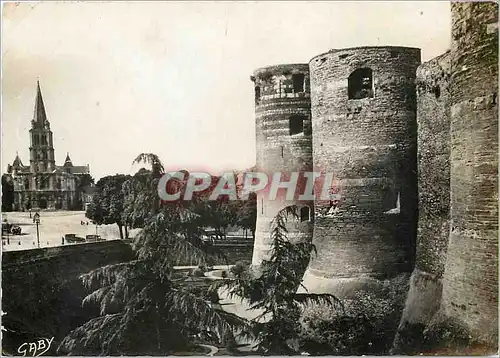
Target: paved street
53 225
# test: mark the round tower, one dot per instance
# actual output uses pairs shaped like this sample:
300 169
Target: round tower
363 104
470 281
433 119
284 144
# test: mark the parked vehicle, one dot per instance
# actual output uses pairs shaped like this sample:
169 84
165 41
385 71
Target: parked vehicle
15 230
93 238
11 229
71 238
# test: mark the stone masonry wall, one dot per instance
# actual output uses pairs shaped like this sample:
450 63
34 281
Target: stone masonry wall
470 281
41 293
369 145
433 118
277 149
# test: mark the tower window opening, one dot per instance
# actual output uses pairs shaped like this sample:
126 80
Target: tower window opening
44 183
44 139
35 140
437 91
360 84
257 94
296 125
305 214
298 82
26 183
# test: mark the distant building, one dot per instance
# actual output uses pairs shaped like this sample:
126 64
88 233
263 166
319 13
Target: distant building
42 184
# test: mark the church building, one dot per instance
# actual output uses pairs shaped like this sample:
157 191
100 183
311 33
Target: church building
42 184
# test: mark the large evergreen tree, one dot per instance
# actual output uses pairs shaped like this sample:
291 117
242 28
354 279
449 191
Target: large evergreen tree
145 306
272 288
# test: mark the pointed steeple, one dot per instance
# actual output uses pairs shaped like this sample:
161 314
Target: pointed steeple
17 162
39 113
67 161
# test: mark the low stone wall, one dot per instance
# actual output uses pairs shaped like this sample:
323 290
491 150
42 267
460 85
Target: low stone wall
235 250
41 292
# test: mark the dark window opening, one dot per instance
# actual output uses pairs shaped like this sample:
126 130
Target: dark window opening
44 183
44 139
341 57
296 125
257 94
42 203
360 84
298 82
282 151
305 214
437 91
26 183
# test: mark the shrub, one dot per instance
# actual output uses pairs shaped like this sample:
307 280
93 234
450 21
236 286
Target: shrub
202 268
197 272
367 325
240 268
223 274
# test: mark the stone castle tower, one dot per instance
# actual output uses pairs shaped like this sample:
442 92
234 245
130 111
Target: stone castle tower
470 281
364 132
454 286
435 213
284 144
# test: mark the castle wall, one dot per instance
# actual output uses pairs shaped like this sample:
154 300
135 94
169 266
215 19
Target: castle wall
433 119
277 150
369 144
470 281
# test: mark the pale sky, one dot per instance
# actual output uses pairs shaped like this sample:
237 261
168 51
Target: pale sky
173 78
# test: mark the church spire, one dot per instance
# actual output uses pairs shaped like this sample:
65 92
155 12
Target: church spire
67 162
39 113
17 161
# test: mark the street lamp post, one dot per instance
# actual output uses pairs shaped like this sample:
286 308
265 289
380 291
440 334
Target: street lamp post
36 218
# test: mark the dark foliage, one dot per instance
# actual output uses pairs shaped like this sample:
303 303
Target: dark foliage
7 193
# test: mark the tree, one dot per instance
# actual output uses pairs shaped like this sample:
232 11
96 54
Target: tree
82 181
7 193
247 214
274 290
146 308
108 203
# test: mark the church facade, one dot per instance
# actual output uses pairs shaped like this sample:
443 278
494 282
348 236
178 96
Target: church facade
42 184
